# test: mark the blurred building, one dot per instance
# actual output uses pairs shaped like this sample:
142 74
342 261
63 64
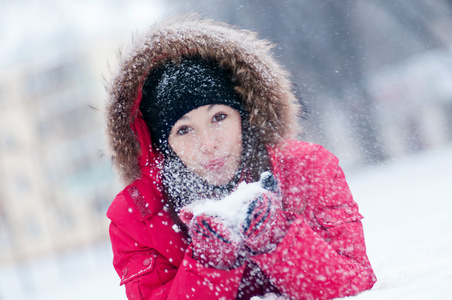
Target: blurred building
55 183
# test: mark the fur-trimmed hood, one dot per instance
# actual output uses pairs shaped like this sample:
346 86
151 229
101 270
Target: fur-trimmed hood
263 84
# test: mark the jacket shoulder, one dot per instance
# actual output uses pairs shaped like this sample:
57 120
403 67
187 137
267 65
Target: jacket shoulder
126 213
303 170
294 150
118 207
141 199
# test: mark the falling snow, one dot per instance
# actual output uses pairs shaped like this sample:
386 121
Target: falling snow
407 225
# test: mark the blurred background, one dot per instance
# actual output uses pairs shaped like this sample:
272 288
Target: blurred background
374 76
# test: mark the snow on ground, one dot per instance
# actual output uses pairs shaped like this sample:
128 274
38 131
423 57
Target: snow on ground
408 226
80 274
407 207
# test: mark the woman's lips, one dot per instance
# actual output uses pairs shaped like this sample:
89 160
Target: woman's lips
215 164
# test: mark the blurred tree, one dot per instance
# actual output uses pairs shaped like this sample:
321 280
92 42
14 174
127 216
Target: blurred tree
331 46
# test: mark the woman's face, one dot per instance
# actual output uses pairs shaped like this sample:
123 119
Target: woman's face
208 140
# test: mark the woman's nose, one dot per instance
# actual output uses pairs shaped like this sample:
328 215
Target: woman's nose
208 142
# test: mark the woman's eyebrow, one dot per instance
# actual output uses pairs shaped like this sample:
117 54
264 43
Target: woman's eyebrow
210 107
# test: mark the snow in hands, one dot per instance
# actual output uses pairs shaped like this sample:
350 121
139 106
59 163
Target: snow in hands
233 209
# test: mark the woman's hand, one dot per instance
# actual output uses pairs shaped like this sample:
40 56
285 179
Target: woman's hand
213 243
265 224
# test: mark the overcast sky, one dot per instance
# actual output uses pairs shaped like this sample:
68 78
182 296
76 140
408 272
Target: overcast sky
28 27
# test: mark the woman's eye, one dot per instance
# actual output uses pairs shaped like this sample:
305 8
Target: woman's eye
183 130
219 117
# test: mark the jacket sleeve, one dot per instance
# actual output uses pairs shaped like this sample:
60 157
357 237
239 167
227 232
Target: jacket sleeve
148 274
323 254
144 272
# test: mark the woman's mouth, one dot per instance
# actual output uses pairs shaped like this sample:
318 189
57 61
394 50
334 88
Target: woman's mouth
215 164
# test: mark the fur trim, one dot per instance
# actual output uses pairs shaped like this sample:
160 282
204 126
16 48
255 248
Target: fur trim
263 84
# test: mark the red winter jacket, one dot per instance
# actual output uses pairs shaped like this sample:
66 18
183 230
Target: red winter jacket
322 256
323 253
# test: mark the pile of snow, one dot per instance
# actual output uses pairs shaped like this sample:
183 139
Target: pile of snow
407 207
231 209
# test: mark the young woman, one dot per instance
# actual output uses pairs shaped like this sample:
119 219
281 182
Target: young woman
195 109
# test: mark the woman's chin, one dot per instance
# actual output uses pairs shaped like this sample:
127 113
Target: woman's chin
219 180
216 182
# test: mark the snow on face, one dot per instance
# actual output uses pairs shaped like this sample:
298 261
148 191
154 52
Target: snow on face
208 140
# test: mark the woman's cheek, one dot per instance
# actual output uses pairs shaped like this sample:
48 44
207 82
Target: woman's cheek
182 147
192 160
